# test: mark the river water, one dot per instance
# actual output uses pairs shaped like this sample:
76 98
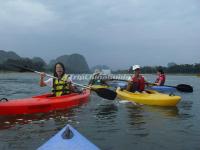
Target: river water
111 125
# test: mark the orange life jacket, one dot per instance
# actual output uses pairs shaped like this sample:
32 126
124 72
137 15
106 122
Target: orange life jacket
161 78
138 83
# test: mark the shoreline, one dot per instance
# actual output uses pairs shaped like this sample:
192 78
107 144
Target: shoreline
175 74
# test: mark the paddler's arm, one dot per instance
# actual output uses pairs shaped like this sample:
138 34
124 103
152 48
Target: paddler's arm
148 83
159 82
91 82
69 82
71 88
129 86
92 79
42 76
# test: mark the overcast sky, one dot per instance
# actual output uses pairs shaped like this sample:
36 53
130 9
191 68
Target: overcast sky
117 33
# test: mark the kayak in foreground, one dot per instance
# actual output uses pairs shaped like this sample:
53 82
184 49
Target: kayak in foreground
42 103
68 139
150 98
163 89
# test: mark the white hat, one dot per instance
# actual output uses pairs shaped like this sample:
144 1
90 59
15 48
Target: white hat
135 67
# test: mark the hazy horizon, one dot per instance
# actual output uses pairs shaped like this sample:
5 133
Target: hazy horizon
115 33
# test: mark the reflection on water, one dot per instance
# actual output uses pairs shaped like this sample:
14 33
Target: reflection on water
186 105
59 115
106 111
137 121
163 111
136 116
106 114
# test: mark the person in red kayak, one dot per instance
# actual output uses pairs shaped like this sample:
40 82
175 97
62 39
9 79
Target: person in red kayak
60 86
137 81
160 80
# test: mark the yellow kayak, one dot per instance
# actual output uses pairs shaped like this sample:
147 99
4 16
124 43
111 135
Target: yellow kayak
149 98
99 86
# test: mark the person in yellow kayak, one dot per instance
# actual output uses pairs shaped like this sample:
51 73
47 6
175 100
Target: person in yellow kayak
61 85
160 80
97 78
137 82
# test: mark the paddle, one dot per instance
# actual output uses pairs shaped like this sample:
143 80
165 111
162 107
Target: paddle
179 87
102 92
183 88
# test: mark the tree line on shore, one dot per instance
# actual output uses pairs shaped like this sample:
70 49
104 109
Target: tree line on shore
174 68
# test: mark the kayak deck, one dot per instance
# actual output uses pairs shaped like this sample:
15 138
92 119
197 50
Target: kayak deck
42 103
68 139
149 98
163 89
99 86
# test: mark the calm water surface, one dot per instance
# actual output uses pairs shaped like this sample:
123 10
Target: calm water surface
111 125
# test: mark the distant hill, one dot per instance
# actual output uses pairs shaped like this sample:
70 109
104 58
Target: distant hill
4 56
74 63
38 59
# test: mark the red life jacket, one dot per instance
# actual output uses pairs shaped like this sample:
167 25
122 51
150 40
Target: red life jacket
161 78
138 83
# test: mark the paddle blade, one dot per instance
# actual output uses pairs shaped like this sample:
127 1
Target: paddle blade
23 68
184 88
106 93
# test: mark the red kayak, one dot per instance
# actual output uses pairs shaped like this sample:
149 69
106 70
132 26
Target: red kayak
42 103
